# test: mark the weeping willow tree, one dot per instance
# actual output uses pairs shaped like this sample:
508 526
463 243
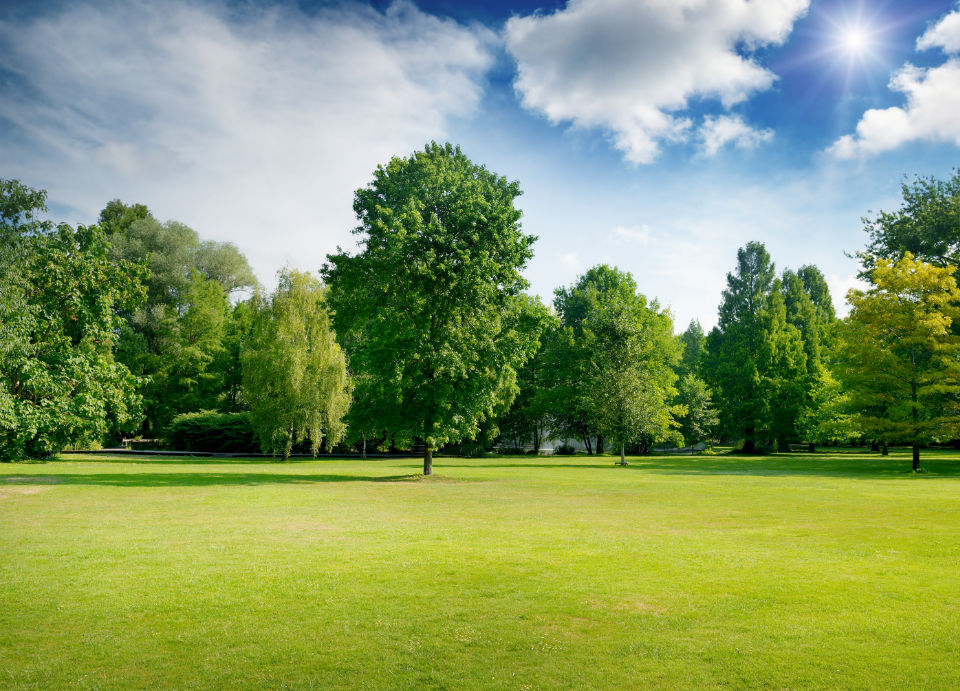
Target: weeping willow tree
294 374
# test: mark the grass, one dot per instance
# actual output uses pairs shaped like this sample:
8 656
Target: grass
787 571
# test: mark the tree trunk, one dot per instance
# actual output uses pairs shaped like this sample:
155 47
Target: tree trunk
427 461
588 444
783 445
811 447
749 443
874 445
916 425
623 460
599 444
884 449
363 452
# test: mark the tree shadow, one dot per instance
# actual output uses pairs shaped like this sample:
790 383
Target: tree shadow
199 479
890 467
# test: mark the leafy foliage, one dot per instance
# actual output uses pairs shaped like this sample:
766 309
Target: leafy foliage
619 353
177 340
756 360
699 418
294 372
208 430
59 291
900 356
424 307
927 225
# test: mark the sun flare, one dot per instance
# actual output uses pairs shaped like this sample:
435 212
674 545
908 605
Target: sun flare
855 40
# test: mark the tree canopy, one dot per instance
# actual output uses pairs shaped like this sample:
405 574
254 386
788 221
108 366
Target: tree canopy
294 370
59 295
425 304
900 355
927 225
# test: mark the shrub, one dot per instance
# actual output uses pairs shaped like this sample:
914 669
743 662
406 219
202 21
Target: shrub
564 450
208 430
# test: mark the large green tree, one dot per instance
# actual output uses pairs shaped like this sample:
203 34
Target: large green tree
755 361
632 355
178 340
734 365
900 356
294 371
612 363
424 305
59 292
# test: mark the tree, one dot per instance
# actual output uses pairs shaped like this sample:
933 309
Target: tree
562 389
528 419
294 372
899 356
694 342
700 419
733 363
755 360
927 225
424 303
175 339
624 351
59 382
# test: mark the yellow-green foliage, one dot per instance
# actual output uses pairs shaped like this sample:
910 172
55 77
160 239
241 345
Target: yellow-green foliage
295 373
900 353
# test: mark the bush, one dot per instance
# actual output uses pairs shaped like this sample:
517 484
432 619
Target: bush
208 430
564 450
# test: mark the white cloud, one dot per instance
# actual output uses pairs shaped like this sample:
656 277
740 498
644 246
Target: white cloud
944 34
719 131
839 286
639 235
251 126
932 101
632 67
571 260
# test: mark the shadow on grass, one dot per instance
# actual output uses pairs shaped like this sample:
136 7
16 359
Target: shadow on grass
199 479
891 467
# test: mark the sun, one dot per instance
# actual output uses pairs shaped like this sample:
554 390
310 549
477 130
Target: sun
855 40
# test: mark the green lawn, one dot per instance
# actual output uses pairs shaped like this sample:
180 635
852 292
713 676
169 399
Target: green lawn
794 571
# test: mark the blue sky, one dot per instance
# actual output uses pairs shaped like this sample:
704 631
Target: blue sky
656 135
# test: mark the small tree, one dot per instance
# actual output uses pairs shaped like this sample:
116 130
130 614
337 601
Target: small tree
899 356
294 372
700 419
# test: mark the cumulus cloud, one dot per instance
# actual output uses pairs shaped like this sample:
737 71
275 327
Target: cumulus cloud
250 125
932 101
719 131
631 67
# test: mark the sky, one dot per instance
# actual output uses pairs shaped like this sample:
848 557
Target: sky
655 135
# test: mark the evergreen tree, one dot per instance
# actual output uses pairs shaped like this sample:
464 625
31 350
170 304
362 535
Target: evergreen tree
738 348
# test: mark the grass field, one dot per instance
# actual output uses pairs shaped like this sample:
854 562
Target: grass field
828 570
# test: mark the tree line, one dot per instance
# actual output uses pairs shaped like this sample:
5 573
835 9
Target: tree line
423 337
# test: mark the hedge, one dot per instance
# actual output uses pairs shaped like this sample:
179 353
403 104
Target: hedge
208 430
